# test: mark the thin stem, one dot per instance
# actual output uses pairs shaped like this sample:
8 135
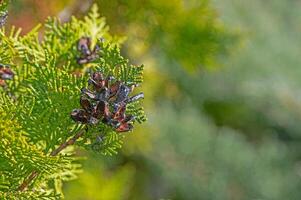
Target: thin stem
27 181
71 141
55 152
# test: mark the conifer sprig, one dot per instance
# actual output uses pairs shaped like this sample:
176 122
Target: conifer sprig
35 125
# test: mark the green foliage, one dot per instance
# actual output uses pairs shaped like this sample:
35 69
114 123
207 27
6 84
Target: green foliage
3 6
26 195
112 141
19 157
198 160
6 51
173 31
35 107
102 139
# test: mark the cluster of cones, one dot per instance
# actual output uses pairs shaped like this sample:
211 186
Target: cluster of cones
105 101
86 53
3 17
5 74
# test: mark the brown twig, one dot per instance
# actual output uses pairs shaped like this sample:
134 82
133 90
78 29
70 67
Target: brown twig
55 152
71 141
26 182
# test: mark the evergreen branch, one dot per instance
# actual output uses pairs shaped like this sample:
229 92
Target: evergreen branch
46 86
55 152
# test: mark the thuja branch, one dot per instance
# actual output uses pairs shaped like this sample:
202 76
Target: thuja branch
55 152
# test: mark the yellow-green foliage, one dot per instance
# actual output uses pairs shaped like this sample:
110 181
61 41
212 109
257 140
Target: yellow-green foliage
19 158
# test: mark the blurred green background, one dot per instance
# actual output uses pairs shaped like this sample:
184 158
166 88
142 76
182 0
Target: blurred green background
223 99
